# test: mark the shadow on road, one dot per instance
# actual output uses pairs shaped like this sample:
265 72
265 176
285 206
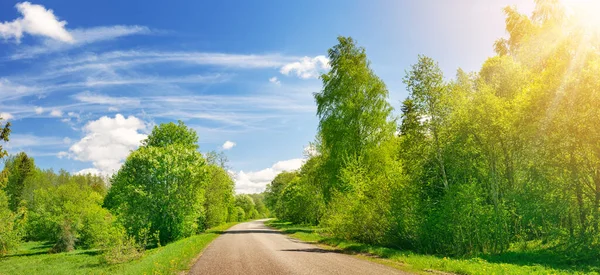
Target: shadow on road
312 250
251 231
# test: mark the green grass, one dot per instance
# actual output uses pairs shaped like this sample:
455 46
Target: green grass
33 258
538 260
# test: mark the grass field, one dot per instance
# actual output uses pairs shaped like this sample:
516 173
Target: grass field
33 258
531 261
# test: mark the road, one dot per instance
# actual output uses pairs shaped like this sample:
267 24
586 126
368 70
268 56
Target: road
253 248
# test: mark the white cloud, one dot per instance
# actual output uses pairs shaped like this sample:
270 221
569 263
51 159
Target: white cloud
307 67
81 37
255 182
39 110
274 80
10 89
6 116
92 171
62 154
27 141
35 20
108 141
66 140
228 145
89 97
310 151
56 113
113 109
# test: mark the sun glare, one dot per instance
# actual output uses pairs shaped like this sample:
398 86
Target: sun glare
585 11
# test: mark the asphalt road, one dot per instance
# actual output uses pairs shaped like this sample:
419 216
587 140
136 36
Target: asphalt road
253 248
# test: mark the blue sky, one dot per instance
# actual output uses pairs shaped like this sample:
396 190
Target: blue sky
83 82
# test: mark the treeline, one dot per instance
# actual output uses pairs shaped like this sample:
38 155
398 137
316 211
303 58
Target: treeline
510 154
166 190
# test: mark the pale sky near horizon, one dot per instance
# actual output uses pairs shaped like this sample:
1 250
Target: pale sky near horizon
82 83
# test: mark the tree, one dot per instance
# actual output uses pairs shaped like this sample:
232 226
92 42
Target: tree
158 193
354 115
10 226
218 196
17 169
246 203
428 94
170 134
274 192
4 133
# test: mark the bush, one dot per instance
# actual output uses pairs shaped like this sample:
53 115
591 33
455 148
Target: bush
68 215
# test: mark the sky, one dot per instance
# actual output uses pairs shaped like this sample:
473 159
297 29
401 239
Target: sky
83 82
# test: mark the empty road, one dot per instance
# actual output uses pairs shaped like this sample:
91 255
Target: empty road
253 248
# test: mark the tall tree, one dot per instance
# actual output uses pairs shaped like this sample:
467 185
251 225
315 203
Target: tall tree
354 114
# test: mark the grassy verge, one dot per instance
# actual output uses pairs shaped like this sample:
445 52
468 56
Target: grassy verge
33 258
511 262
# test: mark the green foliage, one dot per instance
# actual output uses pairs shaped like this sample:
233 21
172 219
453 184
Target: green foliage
354 115
10 227
67 215
159 191
504 156
16 170
170 134
218 196
4 133
246 204
274 191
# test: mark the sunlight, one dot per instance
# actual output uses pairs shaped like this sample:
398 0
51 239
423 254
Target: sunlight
585 11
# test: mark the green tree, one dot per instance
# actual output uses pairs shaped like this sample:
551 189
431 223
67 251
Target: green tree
219 196
10 226
158 194
274 191
170 134
17 169
354 114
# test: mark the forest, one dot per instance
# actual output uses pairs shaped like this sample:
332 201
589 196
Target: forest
475 164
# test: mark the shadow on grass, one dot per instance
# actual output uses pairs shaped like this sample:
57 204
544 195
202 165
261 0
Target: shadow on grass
582 258
26 254
555 259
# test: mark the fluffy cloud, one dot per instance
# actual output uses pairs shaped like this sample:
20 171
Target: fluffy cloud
274 80
228 145
108 141
56 113
39 110
6 116
307 67
255 182
35 20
